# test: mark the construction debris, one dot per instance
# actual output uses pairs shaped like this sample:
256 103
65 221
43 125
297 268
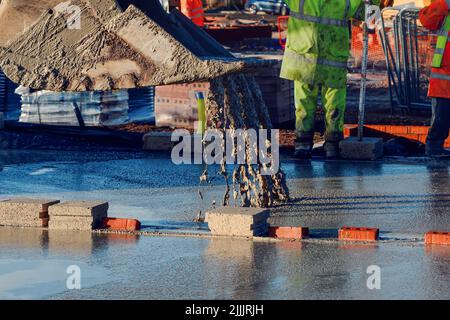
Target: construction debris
25 212
242 222
78 215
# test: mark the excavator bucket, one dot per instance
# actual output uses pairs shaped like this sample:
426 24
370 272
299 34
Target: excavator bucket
88 45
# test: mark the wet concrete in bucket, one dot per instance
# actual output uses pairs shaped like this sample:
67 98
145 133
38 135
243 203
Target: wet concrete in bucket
403 199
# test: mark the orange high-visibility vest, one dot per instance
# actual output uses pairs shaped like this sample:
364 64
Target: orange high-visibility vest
433 17
193 9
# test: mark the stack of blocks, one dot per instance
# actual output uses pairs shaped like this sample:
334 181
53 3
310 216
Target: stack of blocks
241 222
25 212
77 215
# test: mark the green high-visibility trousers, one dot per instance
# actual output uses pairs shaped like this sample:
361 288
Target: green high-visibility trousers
333 101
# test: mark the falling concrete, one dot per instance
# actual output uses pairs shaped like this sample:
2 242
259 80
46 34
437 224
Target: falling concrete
235 102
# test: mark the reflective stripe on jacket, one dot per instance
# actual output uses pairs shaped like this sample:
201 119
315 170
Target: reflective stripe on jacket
193 9
317 47
433 18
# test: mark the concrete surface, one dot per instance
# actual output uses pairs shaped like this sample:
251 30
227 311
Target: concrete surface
402 198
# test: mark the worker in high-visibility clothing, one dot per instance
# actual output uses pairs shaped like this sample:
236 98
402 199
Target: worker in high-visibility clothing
193 9
436 17
316 54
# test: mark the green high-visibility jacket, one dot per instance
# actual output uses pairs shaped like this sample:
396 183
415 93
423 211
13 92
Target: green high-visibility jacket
317 47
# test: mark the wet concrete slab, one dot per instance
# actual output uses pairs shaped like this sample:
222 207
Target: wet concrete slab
129 267
402 198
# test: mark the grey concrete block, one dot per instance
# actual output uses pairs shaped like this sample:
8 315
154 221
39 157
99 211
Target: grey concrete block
230 221
96 209
36 223
25 207
77 219
16 215
366 149
73 224
158 141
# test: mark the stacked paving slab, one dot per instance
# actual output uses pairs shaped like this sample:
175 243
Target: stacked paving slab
77 215
241 222
25 212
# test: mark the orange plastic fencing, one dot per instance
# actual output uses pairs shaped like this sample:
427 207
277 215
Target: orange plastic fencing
376 58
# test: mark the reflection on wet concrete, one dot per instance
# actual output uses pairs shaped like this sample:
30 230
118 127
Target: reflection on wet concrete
82 242
61 241
438 252
29 238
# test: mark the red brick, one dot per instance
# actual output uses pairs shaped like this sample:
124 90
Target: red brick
447 143
437 237
419 129
358 234
121 224
288 232
417 133
377 127
399 129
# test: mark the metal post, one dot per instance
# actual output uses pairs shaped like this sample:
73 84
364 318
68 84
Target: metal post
201 112
365 53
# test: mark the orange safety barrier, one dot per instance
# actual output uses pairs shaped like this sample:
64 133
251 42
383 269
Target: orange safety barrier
121 224
358 234
288 232
437 237
415 133
376 57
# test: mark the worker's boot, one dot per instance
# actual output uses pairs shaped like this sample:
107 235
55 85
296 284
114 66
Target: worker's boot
331 145
304 145
302 151
436 150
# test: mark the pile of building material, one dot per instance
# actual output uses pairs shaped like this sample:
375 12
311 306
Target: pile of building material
240 222
78 215
25 212
99 108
